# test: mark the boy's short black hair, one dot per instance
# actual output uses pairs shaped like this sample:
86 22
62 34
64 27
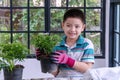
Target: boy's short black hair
75 13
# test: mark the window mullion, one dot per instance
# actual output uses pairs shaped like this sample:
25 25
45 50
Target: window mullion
11 23
28 17
47 16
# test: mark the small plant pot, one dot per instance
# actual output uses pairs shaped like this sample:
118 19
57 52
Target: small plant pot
15 74
47 65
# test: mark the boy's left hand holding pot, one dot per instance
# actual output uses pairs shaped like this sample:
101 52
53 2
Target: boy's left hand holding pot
61 57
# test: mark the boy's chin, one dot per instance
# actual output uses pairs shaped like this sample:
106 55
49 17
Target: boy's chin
73 37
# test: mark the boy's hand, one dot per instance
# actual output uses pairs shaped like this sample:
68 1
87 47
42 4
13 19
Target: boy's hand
37 53
62 58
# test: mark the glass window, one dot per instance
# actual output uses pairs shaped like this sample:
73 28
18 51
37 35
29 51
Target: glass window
114 58
5 20
117 37
20 20
19 3
4 3
37 20
93 19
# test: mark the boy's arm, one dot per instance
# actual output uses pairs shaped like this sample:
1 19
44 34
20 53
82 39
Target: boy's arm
63 58
55 73
82 66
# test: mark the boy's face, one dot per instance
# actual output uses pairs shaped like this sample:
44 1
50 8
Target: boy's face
73 27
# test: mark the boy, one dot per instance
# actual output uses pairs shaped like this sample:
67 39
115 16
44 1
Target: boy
74 54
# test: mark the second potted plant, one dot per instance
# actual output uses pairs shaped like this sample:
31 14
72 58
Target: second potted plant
10 54
44 44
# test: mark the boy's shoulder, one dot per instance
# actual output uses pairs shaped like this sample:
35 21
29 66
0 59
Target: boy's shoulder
82 40
87 40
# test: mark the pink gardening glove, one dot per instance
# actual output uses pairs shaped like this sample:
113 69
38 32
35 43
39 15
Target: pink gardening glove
62 58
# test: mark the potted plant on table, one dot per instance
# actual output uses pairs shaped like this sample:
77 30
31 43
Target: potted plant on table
44 43
10 54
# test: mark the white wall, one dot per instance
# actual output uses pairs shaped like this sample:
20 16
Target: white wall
107 32
99 63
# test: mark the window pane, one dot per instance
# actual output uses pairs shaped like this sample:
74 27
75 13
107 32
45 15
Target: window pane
4 38
117 35
37 3
76 3
57 3
93 3
56 19
21 37
4 3
19 22
32 47
117 47
117 22
60 34
37 20
4 19
93 17
95 38
19 3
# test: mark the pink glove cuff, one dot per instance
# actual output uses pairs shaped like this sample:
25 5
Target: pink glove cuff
70 62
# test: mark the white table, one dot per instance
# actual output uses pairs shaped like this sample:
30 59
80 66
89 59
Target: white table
32 70
29 76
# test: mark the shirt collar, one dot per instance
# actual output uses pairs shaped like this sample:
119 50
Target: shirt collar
63 41
79 41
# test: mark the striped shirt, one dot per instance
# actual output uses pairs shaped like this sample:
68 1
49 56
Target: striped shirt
82 50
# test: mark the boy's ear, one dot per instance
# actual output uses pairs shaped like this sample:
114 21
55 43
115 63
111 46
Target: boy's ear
84 26
62 24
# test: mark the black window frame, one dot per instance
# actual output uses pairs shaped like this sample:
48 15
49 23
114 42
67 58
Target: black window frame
112 32
47 22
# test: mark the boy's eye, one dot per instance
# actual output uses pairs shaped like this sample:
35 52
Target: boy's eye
77 26
68 25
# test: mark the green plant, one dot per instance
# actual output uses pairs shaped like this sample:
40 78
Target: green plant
10 53
46 42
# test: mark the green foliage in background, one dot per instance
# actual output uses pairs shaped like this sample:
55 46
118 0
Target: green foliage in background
4 38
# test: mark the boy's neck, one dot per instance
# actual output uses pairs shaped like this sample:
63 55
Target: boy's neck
70 42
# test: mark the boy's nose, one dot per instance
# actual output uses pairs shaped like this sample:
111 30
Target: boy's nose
73 28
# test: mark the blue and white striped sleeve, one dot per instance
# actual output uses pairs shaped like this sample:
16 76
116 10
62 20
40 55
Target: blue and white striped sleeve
88 55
